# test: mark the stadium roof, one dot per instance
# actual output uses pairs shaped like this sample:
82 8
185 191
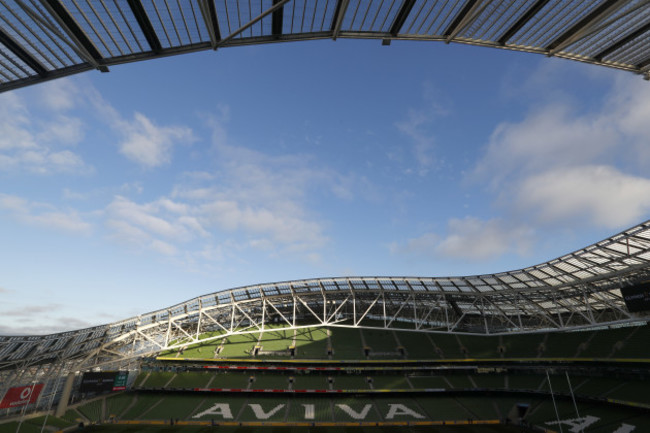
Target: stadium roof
45 39
577 290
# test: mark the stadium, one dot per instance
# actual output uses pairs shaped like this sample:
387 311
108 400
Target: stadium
559 342
558 346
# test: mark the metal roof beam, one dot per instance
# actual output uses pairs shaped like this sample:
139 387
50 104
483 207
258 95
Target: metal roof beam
145 25
400 19
615 46
522 21
78 36
339 13
23 55
276 26
269 11
209 12
583 27
470 11
644 65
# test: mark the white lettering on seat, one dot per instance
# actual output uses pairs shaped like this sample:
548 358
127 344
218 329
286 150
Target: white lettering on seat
259 412
400 409
625 428
310 412
577 424
354 414
220 409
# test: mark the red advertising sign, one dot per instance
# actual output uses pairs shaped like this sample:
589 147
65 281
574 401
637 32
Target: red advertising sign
21 395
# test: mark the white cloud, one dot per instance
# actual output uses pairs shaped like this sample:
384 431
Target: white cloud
149 144
256 201
63 130
34 147
58 95
261 197
595 194
424 245
471 238
39 320
560 167
550 137
14 124
246 200
152 225
475 239
142 140
43 215
423 142
417 126
163 247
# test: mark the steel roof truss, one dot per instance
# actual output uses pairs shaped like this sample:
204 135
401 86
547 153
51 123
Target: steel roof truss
243 28
209 13
321 320
622 42
252 321
355 321
82 44
585 26
333 315
280 313
145 25
400 19
402 305
423 320
503 314
276 26
522 21
339 14
541 312
468 13
145 336
23 55
216 322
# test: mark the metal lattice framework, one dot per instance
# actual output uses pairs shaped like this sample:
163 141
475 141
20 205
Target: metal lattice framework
46 39
578 290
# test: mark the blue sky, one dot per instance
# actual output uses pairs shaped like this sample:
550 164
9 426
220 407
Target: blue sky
126 192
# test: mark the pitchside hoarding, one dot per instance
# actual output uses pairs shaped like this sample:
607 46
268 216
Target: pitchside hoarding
637 297
105 381
21 395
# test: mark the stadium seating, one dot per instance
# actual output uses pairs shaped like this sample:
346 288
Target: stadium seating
117 404
311 381
520 346
270 381
458 390
312 343
390 382
347 344
238 346
381 343
92 410
351 344
416 345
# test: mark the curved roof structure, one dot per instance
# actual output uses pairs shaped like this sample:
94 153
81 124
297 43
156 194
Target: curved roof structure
577 290
46 39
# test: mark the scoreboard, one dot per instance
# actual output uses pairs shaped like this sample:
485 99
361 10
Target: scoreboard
104 381
637 297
